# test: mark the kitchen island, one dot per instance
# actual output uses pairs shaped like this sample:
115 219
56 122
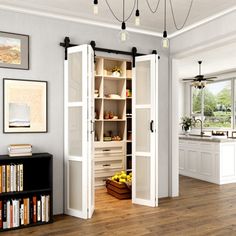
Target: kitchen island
212 159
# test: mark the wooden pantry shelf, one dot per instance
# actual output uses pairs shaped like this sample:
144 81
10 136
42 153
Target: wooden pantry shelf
114 78
114 99
113 120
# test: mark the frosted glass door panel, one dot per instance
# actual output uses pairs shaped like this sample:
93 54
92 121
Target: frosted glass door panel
143 83
75 131
75 77
143 177
75 185
144 123
142 130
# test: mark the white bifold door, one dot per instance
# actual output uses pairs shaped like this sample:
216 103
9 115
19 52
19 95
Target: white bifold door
78 132
145 131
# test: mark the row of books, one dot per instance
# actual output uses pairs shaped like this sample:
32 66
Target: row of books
18 212
11 178
20 150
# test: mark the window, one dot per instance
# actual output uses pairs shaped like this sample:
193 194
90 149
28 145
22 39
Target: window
214 104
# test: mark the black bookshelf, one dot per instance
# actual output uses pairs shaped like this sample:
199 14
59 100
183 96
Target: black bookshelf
37 181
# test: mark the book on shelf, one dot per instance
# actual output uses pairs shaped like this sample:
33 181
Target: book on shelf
1 214
8 214
11 178
3 180
22 213
4 214
15 150
39 210
34 209
29 210
8 178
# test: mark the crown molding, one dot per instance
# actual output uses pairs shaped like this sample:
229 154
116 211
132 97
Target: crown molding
113 26
78 20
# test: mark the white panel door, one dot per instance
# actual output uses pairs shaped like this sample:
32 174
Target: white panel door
78 69
145 143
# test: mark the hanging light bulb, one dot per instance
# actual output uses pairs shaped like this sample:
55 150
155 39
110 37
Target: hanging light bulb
123 33
95 7
165 40
137 16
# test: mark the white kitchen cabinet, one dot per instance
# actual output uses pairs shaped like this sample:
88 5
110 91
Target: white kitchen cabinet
227 168
212 161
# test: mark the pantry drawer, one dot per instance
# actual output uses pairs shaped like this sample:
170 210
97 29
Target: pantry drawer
101 151
107 165
108 158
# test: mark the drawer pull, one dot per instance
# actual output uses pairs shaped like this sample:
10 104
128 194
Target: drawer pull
106 150
106 165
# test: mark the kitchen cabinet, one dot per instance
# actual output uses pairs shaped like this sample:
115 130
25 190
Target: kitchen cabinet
212 160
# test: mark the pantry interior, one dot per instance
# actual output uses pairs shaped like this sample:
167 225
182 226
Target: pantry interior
113 118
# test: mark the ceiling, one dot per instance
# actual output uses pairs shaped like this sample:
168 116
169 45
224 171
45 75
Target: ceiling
150 23
215 61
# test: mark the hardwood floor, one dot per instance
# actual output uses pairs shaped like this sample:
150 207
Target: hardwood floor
202 209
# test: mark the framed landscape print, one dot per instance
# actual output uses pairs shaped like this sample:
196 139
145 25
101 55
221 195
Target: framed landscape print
14 51
24 106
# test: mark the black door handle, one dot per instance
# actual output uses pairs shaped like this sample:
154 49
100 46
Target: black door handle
151 126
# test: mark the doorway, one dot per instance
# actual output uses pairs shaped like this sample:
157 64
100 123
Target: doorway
83 157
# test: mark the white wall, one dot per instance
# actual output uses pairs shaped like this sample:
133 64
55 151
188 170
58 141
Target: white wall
46 63
207 36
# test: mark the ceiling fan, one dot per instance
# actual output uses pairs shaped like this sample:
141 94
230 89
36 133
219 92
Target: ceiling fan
199 81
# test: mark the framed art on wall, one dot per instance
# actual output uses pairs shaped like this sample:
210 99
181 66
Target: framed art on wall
14 51
24 106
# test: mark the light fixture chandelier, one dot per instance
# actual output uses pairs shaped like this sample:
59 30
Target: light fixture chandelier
200 81
123 33
199 84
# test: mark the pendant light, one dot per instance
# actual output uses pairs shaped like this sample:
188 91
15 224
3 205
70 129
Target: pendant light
95 7
123 33
165 40
137 16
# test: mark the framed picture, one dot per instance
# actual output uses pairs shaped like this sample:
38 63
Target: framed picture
14 51
24 106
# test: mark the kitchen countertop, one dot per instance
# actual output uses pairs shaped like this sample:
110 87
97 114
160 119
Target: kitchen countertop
218 139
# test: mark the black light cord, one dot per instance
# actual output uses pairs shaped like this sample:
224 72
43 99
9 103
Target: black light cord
172 11
114 15
150 8
123 5
165 15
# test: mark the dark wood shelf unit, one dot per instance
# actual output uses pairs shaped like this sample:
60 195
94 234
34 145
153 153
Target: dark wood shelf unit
37 181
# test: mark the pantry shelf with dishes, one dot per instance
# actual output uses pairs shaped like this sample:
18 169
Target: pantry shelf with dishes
113 118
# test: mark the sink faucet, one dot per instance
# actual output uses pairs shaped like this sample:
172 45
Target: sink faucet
202 133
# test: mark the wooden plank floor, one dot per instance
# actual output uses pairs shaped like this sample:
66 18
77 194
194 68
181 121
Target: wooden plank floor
202 209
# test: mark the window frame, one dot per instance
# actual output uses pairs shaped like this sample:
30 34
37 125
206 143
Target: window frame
233 103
